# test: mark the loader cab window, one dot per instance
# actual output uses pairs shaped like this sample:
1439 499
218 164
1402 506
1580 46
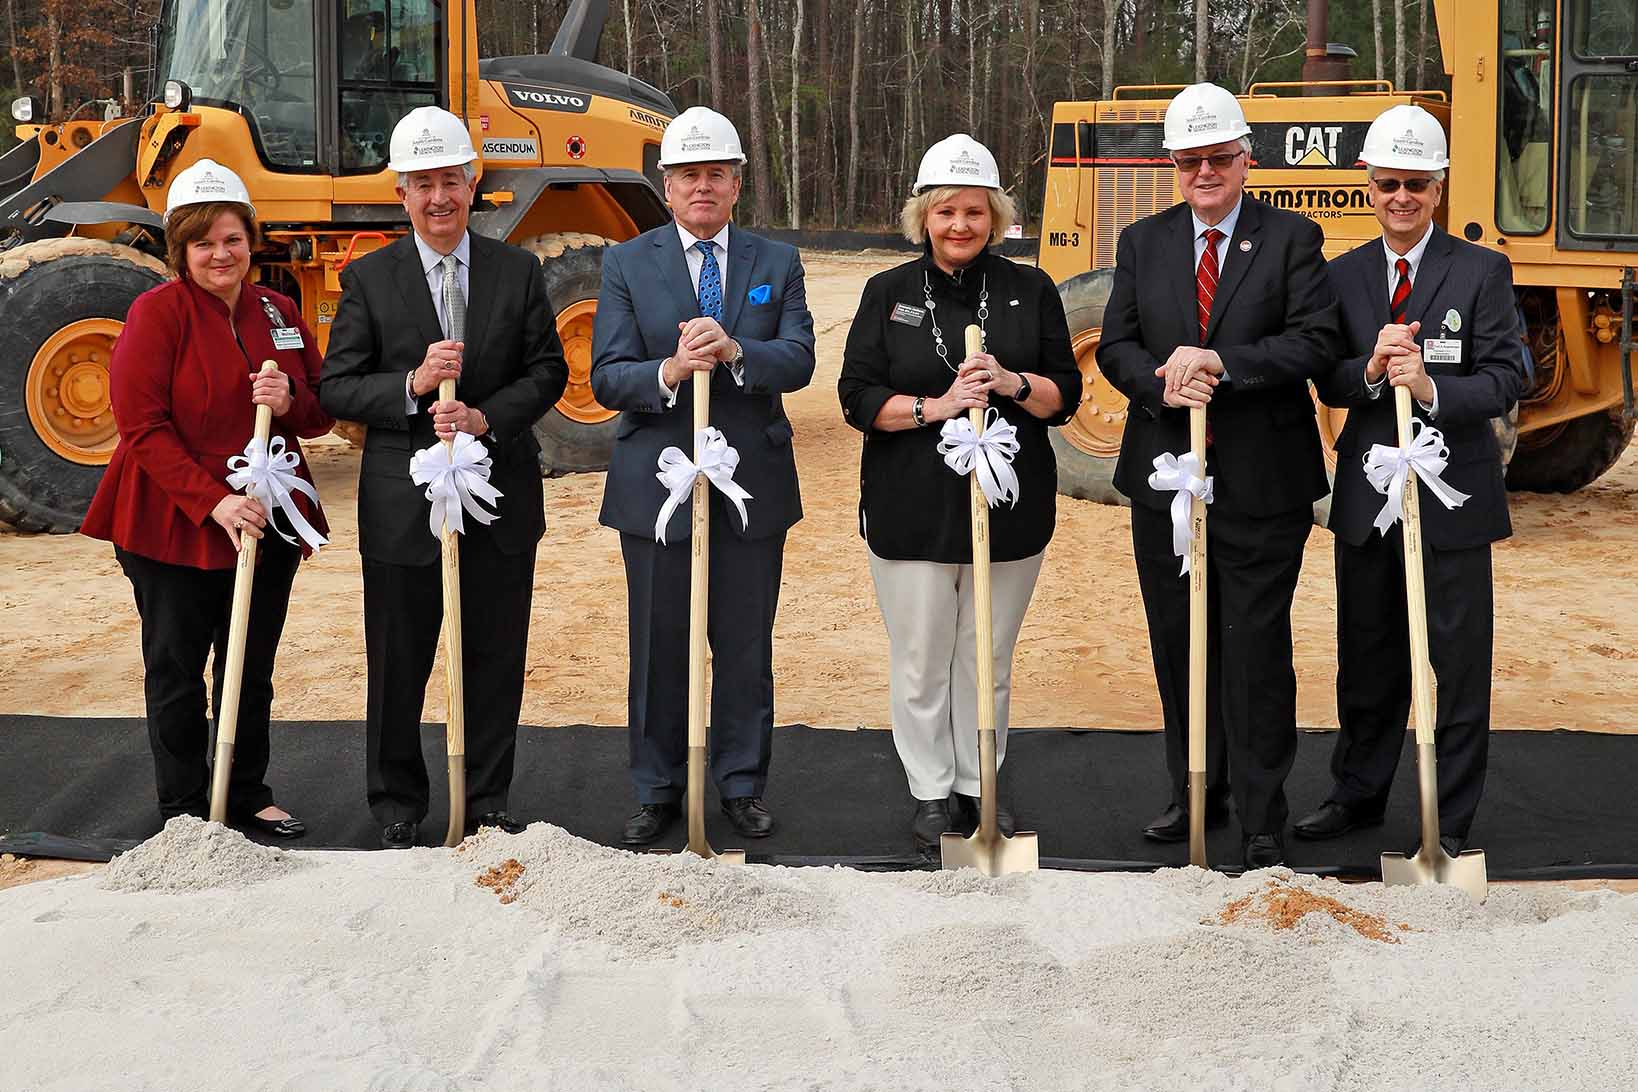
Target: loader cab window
254 57
1601 121
390 57
1525 119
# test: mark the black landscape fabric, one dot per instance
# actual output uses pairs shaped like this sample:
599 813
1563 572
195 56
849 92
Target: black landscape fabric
1558 805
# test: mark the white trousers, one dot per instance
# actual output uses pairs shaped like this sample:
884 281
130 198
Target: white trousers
932 631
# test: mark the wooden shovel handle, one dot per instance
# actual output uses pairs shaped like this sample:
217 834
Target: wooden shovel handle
454 676
1198 639
244 577
1416 604
699 571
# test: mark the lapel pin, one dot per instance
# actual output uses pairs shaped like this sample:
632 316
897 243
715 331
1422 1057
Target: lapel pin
1245 246
1012 303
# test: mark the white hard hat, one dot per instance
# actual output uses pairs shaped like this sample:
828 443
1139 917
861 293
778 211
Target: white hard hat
429 138
1406 138
700 135
203 182
1201 115
957 160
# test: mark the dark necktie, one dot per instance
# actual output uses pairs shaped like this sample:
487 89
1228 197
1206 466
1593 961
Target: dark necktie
710 281
1205 280
1401 292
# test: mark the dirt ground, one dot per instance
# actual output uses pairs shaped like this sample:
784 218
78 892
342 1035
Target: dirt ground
1566 589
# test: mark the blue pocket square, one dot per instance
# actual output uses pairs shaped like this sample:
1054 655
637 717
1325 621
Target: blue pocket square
762 293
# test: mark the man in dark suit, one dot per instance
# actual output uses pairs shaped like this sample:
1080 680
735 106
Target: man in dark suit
1222 302
443 303
1426 311
701 295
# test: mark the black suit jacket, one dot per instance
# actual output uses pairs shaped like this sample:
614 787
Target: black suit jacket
512 370
1478 285
1273 323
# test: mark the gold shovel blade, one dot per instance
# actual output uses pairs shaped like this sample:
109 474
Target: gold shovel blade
1466 871
997 855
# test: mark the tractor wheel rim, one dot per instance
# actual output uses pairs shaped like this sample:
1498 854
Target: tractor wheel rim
1101 418
574 327
68 392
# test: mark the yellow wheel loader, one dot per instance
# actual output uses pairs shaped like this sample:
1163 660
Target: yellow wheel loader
299 97
1543 126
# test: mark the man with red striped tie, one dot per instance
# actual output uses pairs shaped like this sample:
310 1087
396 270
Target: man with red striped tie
1423 310
1222 301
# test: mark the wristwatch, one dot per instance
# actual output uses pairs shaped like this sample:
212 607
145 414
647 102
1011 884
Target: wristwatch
739 355
1022 394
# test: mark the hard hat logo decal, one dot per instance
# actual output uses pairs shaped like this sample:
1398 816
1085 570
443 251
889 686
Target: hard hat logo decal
427 144
1201 120
696 141
209 183
1406 143
965 163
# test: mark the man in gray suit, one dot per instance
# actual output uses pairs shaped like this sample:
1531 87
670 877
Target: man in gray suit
700 295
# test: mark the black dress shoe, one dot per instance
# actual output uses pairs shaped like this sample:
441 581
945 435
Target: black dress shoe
1172 825
288 827
1332 819
649 822
497 819
931 821
1004 821
1263 850
1452 844
399 835
749 815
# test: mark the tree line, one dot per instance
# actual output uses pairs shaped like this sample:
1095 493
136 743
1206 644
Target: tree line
835 99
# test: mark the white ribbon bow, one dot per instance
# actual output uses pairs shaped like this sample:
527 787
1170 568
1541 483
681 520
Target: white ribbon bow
266 471
455 479
1387 468
677 473
1182 474
991 454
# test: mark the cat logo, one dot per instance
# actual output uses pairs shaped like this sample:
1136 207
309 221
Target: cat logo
1312 145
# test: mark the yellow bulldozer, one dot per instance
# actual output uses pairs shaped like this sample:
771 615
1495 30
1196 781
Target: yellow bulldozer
299 97
1543 124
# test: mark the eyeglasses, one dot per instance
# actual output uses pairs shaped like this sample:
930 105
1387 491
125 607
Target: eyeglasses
1414 185
1222 161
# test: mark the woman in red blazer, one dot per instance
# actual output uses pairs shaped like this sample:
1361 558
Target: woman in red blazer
184 396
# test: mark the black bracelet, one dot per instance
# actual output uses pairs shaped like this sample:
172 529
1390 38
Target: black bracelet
916 410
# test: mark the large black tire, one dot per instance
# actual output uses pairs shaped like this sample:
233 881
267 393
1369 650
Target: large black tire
573 265
1089 475
44 287
1566 457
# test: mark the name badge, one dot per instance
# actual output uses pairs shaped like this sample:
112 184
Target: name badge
908 314
286 337
1437 350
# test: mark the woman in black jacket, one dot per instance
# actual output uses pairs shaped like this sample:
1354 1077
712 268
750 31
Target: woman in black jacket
904 375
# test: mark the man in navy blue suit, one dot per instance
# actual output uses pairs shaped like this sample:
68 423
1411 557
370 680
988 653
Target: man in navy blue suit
1426 311
701 295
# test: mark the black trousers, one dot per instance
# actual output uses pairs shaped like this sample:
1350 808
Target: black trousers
1251 686
1374 676
744 596
403 616
185 613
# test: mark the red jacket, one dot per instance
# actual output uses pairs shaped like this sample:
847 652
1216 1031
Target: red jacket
181 397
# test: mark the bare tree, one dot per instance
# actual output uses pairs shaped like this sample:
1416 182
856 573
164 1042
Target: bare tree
713 37
1398 44
753 74
1201 29
849 206
1422 45
1376 29
1111 8
793 185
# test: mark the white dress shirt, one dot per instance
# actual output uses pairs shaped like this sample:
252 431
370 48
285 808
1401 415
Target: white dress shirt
696 263
432 265
1414 257
1225 225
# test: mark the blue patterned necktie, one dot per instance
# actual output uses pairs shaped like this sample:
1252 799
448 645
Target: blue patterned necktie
710 281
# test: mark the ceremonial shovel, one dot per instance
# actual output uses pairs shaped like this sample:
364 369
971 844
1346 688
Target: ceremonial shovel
244 576
455 730
699 586
1197 648
988 850
1431 864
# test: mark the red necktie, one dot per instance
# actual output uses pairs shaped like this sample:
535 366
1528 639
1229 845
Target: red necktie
1401 292
1205 280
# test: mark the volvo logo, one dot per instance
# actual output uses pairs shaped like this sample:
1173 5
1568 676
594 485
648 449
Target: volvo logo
545 98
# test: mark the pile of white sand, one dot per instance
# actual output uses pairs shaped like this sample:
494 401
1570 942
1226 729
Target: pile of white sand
544 962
